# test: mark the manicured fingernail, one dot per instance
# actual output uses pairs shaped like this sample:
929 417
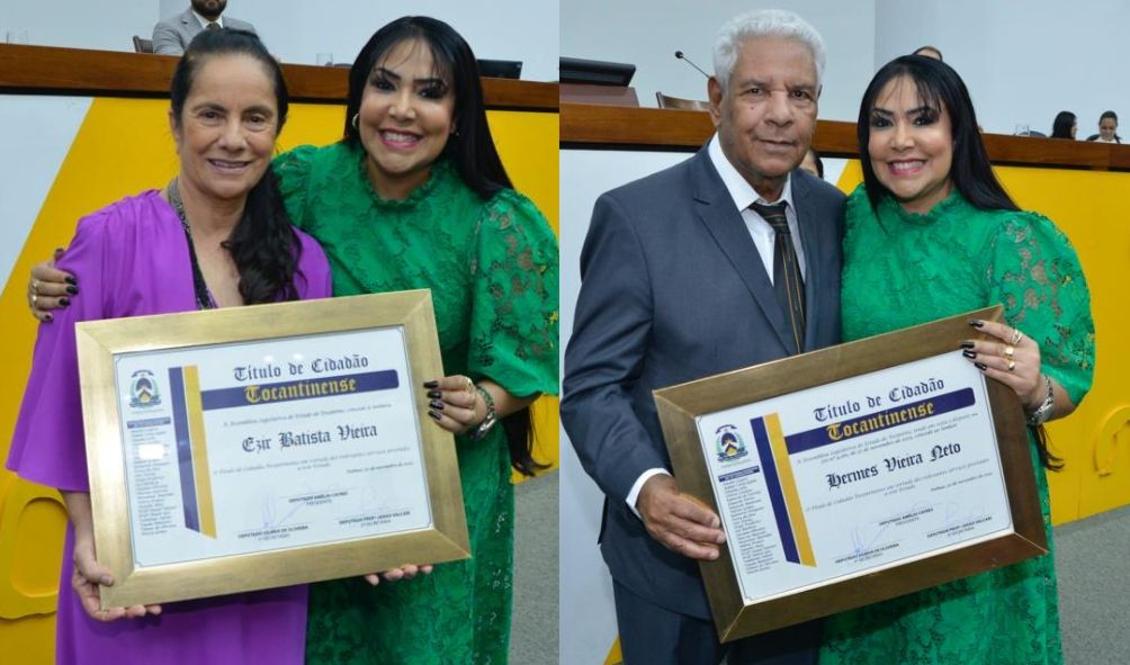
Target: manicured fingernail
431 384
968 354
981 366
70 280
967 344
63 302
58 252
976 323
435 394
436 404
73 290
48 317
434 415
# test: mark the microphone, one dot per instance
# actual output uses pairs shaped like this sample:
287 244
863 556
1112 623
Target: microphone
680 56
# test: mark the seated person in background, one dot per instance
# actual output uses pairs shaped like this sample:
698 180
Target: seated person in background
1108 125
1064 126
172 35
928 52
813 164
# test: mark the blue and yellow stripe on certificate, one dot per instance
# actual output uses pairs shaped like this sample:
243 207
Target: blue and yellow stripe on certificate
774 449
781 485
192 450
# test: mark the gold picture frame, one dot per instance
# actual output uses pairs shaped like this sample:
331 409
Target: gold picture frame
680 406
101 343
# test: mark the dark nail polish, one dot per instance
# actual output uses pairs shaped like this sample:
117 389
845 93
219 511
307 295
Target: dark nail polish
981 366
969 354
434 415
63 302
435 394
48 317
431 384
967 344
70 280
976 323
73 290
436 404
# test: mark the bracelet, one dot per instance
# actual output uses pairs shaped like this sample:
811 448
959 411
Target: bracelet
479 432
1043 412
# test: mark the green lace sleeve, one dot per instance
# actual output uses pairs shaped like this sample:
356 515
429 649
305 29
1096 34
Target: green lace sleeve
1035 273
292 168
514 317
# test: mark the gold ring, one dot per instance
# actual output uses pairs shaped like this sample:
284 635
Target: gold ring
1011 364
1017 336
34 300
1008 351
35 286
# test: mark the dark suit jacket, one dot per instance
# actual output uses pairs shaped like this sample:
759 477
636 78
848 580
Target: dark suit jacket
172 35
673 289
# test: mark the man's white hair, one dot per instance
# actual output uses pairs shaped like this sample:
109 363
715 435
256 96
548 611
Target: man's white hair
764 23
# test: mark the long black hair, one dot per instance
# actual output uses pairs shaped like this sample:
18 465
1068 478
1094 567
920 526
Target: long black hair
263 244
939 87
1061 126
470 147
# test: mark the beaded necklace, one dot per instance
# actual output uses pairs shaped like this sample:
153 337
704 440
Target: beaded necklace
203 297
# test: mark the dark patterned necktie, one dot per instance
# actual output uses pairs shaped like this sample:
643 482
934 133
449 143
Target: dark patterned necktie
212 25
787 279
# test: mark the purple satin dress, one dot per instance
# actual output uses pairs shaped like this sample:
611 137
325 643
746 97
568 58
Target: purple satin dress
131 259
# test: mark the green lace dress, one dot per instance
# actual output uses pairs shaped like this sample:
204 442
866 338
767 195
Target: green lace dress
902 269
492 269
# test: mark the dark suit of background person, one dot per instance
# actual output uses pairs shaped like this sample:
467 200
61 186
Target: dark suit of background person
172 35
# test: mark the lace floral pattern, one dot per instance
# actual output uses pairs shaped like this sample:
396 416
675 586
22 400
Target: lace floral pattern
492 270
902 269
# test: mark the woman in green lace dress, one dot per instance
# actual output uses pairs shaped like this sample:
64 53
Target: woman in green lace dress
931 233
415 196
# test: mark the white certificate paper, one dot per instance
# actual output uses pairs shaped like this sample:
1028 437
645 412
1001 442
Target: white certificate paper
258 446
856 476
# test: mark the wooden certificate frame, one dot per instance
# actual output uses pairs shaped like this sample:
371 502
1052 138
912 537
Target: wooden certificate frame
115 449
683 409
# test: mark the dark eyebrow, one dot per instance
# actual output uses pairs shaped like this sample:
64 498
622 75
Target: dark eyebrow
208 106
922 109
878 111
265 110
388 73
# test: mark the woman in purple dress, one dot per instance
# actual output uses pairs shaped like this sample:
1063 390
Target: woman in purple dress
217 236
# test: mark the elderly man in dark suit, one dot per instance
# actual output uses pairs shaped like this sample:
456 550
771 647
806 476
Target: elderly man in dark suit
729 259
172 35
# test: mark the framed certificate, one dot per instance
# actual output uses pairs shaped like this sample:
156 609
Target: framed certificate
254 447
853 474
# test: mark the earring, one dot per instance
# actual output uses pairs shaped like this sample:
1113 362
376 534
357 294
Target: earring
356 117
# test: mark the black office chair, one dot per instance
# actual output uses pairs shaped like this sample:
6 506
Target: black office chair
668 102
142 45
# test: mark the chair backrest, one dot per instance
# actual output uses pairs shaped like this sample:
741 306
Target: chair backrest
666 102
142 45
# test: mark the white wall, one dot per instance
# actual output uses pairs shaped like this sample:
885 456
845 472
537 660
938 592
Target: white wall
647 33
525 30
102 25
1023 62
